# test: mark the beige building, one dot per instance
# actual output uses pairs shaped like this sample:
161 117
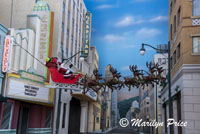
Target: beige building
184 37
94 108
106 102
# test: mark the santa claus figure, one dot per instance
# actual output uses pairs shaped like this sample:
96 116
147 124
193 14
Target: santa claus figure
62 68
66 71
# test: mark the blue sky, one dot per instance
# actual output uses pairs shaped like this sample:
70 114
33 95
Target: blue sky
120 26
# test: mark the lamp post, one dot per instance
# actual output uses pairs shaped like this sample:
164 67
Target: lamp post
142 52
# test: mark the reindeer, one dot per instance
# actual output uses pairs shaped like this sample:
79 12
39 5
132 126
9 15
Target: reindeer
136 72
151 67
131 82
113 83
114 72
92 83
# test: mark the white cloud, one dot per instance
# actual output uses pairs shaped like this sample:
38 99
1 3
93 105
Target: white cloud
147 32
105 6
125 68
159 18
113 38
128 21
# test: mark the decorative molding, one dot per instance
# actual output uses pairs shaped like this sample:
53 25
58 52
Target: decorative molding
185 68
194 35
196 22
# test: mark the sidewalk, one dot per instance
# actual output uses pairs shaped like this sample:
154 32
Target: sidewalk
100 131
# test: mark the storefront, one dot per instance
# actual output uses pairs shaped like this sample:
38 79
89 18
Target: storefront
29 108
3 33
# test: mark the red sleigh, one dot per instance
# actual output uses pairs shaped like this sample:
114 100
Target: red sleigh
58 77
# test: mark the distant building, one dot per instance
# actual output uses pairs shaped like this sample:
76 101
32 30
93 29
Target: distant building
162 60
144 105
114 108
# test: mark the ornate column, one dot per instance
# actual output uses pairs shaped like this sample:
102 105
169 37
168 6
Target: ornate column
84 117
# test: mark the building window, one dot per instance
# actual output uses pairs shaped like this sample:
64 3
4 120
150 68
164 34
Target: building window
171 31
73 4
63 6
179 51
159 61
164 60
175 24
48 118
174 2
97 119
72 38
66 52
72 22
7 115
78 3
64 115
171 63
63 26
196 45
75 61
196 7
174 57
81 8
68 15
68 32
171 8
83 13
179 16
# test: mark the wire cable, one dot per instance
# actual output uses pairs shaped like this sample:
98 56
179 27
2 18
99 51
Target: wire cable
29 53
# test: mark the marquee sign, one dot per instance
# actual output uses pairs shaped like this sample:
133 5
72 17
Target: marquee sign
6 54
90 93
27 90
87 34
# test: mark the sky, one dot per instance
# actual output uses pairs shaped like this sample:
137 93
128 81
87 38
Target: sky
119 27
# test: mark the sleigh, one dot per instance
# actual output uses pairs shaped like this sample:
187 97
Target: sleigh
58 77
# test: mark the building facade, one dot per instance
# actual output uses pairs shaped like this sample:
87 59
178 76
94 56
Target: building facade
29 107
184 35
94 108
114 107
155 98
144 105
3 33
68 39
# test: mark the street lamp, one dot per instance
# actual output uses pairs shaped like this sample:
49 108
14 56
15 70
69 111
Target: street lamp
142 52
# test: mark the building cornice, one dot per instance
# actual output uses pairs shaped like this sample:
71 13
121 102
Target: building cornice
185 68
